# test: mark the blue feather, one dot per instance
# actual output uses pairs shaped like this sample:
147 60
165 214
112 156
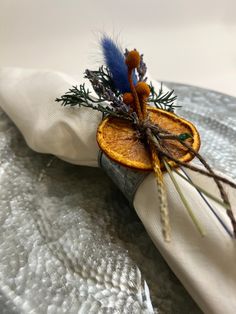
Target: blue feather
115 61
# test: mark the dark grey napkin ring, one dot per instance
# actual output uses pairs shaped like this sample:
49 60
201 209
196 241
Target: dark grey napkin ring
126 179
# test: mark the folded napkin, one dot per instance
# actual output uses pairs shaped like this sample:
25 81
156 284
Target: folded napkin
205 265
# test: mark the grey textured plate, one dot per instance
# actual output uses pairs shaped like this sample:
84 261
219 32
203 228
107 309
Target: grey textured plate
215 116
69 242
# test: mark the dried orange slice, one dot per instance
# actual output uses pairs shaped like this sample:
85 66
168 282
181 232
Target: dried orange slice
119 141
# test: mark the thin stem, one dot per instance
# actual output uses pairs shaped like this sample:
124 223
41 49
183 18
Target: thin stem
183 199
144 107
197 169
212 209
211 196
136 99
209 173
164 212
223 194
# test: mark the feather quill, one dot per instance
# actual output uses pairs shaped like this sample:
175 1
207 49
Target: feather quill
115 61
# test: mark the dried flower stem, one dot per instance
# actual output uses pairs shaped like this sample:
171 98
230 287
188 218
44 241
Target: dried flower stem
223 194
211 196
164 212
211 174
185 202
137 106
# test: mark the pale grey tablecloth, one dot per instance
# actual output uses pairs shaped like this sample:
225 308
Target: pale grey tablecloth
69 241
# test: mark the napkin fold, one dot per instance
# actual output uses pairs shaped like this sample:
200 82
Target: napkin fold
205 265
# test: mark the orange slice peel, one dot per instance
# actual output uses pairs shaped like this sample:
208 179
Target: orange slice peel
119 140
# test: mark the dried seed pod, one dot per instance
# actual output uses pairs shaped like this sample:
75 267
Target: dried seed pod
142 89
128 98
132 59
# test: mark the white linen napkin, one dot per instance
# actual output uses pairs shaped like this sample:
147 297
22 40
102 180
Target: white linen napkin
205 266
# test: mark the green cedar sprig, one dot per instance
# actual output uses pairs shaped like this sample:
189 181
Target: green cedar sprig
161 99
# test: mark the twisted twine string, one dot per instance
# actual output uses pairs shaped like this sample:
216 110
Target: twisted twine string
155 135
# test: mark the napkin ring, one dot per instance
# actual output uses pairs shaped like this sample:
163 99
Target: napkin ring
126 179
140 132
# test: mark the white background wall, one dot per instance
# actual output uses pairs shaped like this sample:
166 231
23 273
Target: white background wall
183 40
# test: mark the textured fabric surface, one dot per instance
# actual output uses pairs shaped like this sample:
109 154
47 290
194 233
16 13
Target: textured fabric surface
65 234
